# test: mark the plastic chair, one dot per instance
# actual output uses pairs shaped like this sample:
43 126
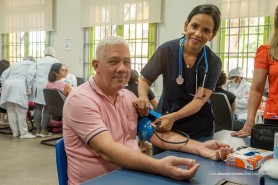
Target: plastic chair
79 81
61 162
54 100
4 127
222 112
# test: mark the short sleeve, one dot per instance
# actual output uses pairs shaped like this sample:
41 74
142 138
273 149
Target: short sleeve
154 66
262 57
151 95
84 116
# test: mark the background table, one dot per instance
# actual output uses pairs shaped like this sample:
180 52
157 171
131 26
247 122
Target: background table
209 173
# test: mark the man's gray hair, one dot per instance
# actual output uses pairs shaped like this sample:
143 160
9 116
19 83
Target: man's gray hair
49 51
108 41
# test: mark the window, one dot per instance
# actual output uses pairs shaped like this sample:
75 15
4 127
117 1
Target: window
238 40
134 20
140 36
15 46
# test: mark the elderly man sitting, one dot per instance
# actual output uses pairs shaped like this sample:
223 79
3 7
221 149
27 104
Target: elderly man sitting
100 125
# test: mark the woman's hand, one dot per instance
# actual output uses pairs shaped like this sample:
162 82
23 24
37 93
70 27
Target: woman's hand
214 150
166 122
244 132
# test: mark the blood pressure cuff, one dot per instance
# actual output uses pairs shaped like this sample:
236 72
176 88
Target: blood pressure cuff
144 128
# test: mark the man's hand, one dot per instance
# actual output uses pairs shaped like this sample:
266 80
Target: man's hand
244 132
214 150
170 167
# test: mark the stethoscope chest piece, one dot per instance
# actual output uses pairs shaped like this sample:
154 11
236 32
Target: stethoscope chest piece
179 80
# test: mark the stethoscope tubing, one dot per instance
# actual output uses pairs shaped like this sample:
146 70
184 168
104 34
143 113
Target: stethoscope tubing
172 142
180 79
204 54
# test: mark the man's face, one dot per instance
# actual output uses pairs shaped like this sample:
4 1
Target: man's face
113 70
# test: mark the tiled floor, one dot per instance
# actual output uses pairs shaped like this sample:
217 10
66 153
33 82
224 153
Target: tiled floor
26 162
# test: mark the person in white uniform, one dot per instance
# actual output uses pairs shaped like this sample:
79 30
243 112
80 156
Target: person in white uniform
14 97
240 87
4 64
70 78
36 81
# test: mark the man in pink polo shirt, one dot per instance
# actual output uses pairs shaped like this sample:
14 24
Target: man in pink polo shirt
100 125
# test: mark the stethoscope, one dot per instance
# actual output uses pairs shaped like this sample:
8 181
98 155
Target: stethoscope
185 141
180 80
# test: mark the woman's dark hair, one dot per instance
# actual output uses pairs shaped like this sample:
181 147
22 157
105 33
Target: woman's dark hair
208 9
54 71
133 77
222 79
4 64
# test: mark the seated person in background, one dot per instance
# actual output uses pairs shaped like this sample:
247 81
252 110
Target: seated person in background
100 125
222 80
132 86
241 89
70 78
56 74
